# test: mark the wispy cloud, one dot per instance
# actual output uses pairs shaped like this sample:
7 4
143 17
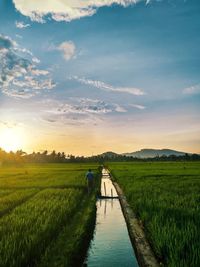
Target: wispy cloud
195 89
148 2
84 106
65 10
68 49
18 36
8 124
75 111
19 75
141 107
21 25
107 87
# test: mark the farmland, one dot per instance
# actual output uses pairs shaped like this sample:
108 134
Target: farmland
45 213
165 196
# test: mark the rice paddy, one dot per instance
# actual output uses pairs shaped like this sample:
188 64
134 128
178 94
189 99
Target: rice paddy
44 208
47 216
166 198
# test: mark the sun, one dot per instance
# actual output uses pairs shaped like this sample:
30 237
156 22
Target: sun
11 139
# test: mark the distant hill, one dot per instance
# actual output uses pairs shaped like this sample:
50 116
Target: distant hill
151 153
109 154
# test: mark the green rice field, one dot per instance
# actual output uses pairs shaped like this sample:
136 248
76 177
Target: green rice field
45 214
166 198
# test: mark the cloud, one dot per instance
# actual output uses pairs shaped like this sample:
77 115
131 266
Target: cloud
137 106
8 124
19 75
107 87
195 89
37 72
78 111
68 49
65 10
18 36
85 106
21 25
35 60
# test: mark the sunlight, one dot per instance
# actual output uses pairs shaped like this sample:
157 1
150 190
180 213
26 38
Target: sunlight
11 139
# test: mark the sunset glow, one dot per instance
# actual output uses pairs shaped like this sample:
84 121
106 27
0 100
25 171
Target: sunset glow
11 139
85 77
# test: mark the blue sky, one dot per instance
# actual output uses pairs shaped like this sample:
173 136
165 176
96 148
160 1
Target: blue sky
89 76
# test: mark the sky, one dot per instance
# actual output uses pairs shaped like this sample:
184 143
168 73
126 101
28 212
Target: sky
85 77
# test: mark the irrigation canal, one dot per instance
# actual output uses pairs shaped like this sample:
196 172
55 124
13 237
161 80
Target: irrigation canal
111 245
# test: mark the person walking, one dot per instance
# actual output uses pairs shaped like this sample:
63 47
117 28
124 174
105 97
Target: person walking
90 180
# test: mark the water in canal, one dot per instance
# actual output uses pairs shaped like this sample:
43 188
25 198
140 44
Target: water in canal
111 245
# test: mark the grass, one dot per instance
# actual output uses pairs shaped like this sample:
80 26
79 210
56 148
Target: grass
44 209
46 215
44 175
15 198
166 198
60 251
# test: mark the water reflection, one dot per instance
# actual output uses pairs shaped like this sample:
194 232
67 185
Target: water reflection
111 245
107 188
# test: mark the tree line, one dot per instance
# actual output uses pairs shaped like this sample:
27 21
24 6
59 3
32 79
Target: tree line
20 156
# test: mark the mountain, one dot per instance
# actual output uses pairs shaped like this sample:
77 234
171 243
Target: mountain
109 154
151 153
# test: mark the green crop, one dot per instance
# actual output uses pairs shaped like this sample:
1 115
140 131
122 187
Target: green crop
12 200
41 207
166 197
